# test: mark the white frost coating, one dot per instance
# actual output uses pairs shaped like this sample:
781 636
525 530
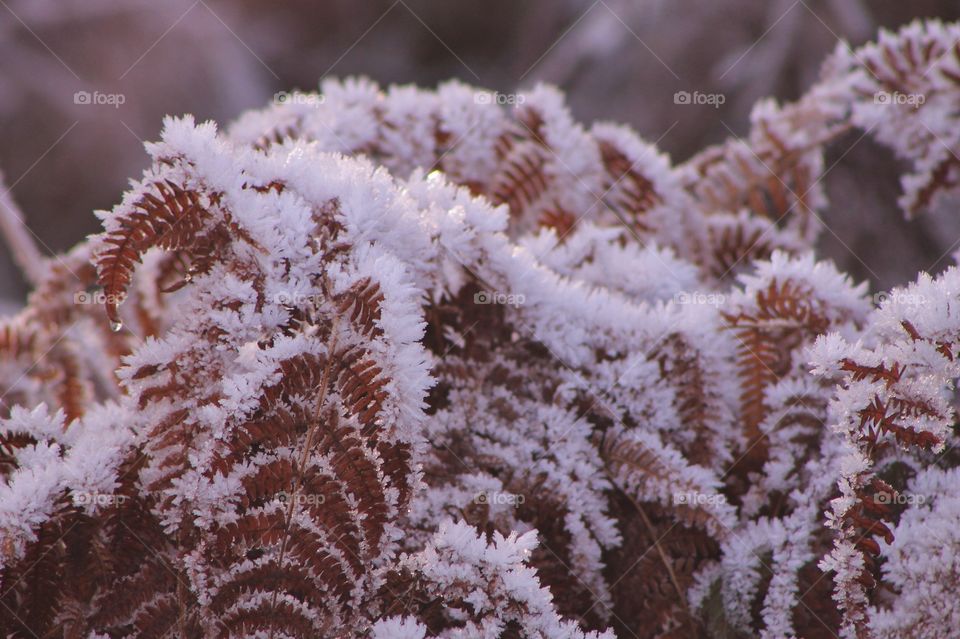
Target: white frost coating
77 466
458 556
622 326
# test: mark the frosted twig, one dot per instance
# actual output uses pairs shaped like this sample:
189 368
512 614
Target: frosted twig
24 250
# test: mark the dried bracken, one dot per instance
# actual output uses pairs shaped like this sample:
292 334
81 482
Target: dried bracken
406 364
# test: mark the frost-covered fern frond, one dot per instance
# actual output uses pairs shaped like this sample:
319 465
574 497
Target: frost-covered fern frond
403 363
896 397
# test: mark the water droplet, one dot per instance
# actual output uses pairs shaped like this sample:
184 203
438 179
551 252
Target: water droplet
116 326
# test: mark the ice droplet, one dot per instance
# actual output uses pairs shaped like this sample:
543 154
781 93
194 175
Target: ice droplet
116 326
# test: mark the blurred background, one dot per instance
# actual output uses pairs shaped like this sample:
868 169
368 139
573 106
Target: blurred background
622 60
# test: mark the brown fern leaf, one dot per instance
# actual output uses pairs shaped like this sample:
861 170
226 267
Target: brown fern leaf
253 531
944 177
314 514
397 467
897 64
769 334
695 401
324 554
364 298
170 442
315 564
140 571
270 577
329 504
274 185
269 618
162 617
402 594
626 190
737 244
299 385
521 180
118 608
81 558
643 474
361 386
72 389
32 586
781 186
265 434
290 130
356 469
204 252
652 571
53 302
163 389
277 476
15 342
558 219
42 364
10 443
553 557
170 219
767 176
330 551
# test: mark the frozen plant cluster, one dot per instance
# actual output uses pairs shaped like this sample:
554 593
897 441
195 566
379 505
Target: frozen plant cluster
302 409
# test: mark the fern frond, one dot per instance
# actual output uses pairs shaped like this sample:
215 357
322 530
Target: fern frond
167 215
363 302
648 471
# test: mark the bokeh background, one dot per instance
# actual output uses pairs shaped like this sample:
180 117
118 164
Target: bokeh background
618 60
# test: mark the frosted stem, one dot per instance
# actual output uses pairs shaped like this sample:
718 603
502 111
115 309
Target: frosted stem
24 250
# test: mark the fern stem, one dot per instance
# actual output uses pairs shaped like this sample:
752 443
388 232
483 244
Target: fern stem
181 600
663 555
25 253
305 453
